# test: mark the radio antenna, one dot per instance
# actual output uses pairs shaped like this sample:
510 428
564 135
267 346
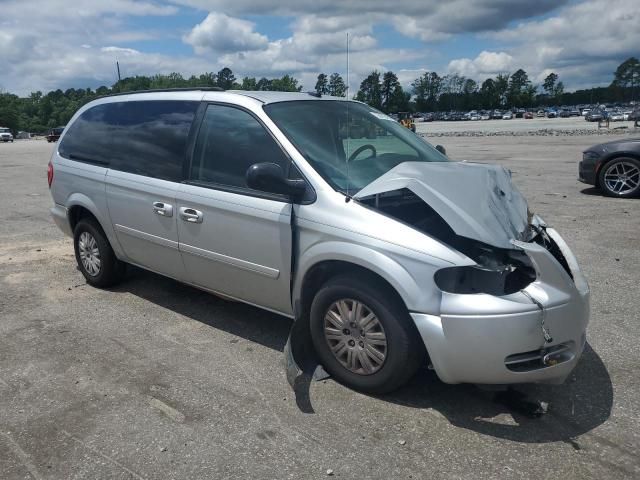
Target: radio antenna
348 83
348 125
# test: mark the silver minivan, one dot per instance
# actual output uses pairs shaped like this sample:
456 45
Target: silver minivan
327 211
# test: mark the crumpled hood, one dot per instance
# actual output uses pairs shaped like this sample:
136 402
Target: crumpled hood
477 201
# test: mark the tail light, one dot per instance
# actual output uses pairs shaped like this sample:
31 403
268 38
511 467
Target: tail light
50 173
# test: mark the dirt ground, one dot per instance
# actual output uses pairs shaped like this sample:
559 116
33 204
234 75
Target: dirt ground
154 379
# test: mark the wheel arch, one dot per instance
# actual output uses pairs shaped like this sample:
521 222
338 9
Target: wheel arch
330 259
324 270
77 213
81 206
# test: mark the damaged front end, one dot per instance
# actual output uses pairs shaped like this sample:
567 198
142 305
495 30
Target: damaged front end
515 308
498 271
519 313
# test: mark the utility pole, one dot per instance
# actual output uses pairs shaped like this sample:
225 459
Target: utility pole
118 68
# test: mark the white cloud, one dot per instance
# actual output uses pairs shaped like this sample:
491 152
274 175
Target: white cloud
486 64
120 50
221 33
407 76
428 18
581 40
62 9
583 43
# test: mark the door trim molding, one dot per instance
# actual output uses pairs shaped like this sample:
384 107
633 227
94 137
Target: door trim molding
234 262
218 294
163 242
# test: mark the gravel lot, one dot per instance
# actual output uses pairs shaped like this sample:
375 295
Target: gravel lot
520 126
154 379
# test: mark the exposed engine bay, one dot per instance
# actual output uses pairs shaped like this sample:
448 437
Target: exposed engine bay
499 271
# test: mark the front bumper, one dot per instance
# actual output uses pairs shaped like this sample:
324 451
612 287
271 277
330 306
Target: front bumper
485 339
587 170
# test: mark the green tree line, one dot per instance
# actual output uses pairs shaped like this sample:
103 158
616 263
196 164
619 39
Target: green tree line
39 112
432 92
429 92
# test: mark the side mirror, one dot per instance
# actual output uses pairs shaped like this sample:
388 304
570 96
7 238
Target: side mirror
441 149
269 177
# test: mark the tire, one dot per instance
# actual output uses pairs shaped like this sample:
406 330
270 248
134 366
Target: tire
90 240
620 177
403 351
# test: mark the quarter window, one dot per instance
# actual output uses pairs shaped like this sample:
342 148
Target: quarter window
230 140
145 137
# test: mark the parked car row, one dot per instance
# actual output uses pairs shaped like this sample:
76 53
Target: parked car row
593 113
52 135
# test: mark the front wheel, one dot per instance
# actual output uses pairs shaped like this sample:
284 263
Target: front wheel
620 178
363 336
94 255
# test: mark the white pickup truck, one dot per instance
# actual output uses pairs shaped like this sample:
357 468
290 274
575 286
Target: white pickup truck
5 135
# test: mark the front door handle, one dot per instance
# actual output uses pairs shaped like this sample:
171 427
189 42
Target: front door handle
190 215
163 209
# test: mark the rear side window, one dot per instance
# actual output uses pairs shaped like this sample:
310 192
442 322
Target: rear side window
146 138
230 140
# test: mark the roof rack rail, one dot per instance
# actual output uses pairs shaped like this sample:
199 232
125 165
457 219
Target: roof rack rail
156 90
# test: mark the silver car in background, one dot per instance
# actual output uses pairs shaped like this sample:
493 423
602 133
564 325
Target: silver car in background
329 212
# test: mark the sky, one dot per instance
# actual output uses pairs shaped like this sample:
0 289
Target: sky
51 44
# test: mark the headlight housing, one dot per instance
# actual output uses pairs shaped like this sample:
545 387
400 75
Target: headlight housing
590 155
475 279
498 271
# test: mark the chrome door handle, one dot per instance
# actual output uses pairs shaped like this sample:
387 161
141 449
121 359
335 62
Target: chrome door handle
190 215
163 209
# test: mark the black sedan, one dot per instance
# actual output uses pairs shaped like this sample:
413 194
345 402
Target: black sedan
613 167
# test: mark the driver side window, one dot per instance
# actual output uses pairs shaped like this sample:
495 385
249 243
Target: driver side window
230 140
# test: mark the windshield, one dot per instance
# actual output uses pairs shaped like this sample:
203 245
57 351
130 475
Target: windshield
5 130
349 144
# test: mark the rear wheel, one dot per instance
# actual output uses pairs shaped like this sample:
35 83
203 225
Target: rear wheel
363 335
620 177
94 255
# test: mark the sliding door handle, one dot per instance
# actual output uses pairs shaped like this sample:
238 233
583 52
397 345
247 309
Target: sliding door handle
190 215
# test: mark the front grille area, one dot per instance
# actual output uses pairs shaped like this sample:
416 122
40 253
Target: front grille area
543 358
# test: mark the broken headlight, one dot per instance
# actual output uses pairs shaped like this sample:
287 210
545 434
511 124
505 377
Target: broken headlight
476 279
498 271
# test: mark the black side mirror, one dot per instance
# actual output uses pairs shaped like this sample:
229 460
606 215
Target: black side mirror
441 149
269 177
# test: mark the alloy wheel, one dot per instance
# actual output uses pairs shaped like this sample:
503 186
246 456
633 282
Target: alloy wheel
622 177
